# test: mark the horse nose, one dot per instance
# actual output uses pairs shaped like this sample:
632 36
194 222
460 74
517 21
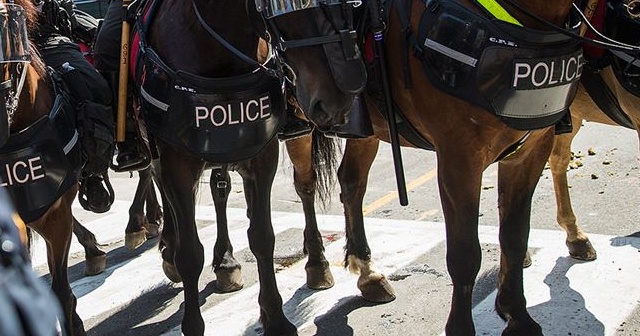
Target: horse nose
325 116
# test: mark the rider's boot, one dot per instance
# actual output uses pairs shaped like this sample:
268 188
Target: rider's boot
296 126
130 153
564 125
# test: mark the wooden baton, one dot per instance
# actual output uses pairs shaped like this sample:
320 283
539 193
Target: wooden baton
124 74
588 13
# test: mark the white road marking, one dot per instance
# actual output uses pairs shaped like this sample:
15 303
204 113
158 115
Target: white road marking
563 295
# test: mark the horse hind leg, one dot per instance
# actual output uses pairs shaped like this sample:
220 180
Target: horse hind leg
135 232
353 174
95 259
305 179
577 241
227 269
154 212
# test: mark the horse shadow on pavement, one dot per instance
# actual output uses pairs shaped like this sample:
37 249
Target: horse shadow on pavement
566 307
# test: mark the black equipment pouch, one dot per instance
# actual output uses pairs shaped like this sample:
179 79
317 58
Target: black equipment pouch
527 77
95 127
86 28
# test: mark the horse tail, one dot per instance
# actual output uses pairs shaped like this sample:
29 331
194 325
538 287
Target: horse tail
325 161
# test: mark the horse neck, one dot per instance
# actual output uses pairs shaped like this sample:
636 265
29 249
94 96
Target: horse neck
554 11
36 100
176 28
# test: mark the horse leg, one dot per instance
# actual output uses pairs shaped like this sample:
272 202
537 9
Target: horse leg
56 227
304 179
353 175
95 260
459 182
257 177
135 233
577 241
226 267
153 210
517 180
180 175
168 242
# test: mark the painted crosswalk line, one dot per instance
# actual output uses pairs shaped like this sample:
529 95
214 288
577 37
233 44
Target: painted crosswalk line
566 297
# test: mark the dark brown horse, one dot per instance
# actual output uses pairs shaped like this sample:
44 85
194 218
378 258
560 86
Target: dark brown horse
203 54
45 195
430 54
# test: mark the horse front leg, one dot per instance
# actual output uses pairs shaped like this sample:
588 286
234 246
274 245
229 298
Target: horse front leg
353 175
517 180
300 152
56 227
95 260
577 241
459 182
227 269
180 175
257 176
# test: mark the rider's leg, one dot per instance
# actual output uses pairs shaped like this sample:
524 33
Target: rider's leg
107 61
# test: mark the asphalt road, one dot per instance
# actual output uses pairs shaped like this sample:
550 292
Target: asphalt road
566 297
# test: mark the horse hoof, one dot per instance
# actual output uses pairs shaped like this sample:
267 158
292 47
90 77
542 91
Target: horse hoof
153 230
229 280
376 288
528 327
319 277
95 265
582 250
527 260
171 272
133 240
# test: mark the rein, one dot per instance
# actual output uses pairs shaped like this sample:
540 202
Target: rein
277 72
607 42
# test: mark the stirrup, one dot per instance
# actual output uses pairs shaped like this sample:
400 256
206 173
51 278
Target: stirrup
93 196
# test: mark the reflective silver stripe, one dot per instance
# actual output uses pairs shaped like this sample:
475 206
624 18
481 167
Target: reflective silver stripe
153 101
626 57
71 143
456 55
535 103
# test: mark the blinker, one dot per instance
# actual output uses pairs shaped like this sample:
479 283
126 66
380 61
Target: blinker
348 38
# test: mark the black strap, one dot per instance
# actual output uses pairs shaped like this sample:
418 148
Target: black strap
604 98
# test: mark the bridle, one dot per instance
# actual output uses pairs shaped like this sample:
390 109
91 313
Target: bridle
14 55
346 34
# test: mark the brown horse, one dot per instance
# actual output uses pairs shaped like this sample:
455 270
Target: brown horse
623 108
40 109
428 55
